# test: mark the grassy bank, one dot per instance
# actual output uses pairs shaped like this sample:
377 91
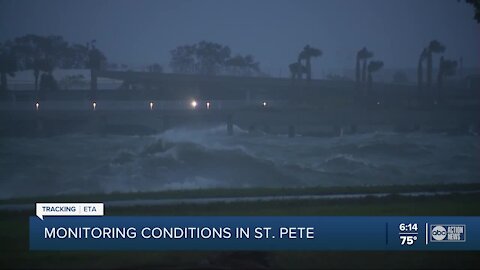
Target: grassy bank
14 238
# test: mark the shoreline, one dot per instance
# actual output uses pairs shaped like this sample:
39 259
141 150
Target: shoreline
230 200
255 194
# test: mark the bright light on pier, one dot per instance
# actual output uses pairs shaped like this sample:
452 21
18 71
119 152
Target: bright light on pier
37 105
94 104
194 104
151 105
264 104
208 105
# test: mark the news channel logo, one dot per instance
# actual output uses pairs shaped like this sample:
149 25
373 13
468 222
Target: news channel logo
448 233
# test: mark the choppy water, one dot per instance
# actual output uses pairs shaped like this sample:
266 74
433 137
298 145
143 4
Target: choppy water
185 158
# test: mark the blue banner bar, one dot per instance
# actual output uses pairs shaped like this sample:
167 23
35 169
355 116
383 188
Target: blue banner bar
254 233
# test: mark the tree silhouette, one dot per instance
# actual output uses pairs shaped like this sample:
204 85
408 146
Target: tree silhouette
251 66
306 54
476 7
8 64
235 64
361 73
357 68
434 47
421 59
76 56
41 53
242 65
297 70
183 59
211 58
96 62
373 66
365 55
96 59
30 54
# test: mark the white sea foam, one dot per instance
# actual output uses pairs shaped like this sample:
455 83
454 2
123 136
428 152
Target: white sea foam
192 157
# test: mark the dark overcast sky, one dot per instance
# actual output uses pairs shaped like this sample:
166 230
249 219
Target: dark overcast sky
138 32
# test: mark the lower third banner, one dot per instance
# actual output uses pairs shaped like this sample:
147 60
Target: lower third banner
254 233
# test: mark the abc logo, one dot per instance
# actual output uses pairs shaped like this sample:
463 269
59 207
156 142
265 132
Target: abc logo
439 233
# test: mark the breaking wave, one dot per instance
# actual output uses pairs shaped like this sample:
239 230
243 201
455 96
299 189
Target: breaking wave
192 158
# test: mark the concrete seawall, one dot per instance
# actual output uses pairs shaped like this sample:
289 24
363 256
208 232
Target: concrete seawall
274 118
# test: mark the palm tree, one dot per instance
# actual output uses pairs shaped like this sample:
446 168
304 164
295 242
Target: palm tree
8 64
357 69
297 70
373 66
367 55
362 55
422 58
446 68
433 47
306 54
